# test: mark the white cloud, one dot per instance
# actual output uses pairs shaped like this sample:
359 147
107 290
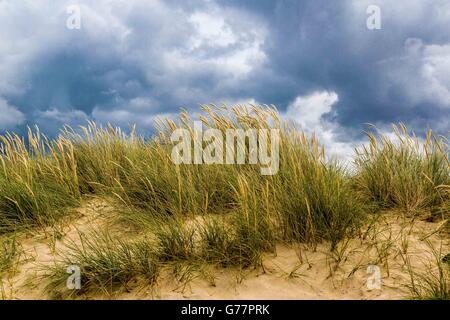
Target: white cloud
221 43
420 75
435 72
308 111
211 30
10 116
64 117
422 72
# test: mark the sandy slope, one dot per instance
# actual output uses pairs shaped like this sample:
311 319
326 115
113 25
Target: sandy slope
294 272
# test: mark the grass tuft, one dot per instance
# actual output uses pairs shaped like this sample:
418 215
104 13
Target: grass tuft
402 172
105 263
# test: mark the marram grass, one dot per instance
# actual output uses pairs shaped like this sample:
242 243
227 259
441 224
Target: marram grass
226 215
402 172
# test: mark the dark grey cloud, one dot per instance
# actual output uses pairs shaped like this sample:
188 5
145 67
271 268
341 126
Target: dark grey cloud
325 44
134 60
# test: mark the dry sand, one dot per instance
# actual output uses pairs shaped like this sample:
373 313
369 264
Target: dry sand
293 272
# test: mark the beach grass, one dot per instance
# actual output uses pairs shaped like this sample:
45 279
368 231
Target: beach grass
225 215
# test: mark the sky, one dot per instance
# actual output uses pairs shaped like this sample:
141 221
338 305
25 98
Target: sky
324 64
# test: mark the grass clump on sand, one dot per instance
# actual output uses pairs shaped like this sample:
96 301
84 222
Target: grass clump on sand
403 173
240 238
224 246
434 284
38 180
310 199
175 240
105 263
99 152
314 198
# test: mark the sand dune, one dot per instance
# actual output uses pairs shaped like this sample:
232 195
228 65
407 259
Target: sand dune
293 272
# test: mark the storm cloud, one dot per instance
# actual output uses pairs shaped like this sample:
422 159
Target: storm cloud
316 60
